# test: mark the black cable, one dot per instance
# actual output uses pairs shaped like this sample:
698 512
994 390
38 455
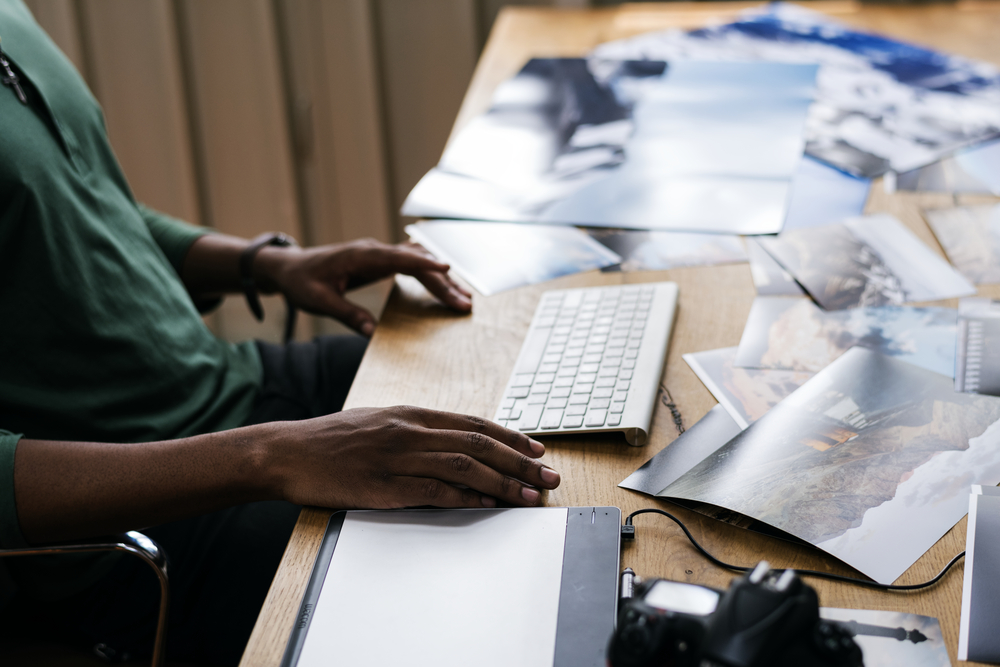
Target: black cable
804 573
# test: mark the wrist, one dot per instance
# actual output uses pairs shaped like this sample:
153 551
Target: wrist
261 453
269 264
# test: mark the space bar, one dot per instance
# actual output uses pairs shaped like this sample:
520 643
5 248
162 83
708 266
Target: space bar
532 350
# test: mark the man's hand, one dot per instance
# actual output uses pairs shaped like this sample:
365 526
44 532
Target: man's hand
315 279
404 457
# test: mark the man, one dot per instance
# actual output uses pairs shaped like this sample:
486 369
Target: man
122 410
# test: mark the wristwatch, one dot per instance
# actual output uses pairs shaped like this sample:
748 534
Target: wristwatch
250 285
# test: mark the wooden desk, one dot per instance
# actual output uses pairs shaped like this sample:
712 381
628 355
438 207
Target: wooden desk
423 355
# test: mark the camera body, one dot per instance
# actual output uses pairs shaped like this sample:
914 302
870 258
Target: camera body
763 620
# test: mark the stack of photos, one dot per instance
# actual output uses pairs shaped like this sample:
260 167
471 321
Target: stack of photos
793 334
746 393
692 146
498 256
977 358
656 251
870 461
970 171
893 638
970 236
868 261
881 104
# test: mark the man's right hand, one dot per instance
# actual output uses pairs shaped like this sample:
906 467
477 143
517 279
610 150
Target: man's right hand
404 457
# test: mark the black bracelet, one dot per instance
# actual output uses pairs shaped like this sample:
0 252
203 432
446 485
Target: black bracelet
250 285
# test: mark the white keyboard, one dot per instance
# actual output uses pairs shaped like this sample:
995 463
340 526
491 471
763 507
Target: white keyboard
591 361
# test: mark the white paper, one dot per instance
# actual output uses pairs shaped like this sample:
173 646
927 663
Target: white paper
441 588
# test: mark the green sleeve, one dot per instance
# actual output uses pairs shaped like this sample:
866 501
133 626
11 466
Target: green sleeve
172 235
10 529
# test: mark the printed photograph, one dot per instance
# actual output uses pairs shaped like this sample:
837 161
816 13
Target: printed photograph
823 195
881 104
793 334
868 261
970 236
892 638
970 171
768 276
498 256
657 251
746 393
977 367
871 460
702 147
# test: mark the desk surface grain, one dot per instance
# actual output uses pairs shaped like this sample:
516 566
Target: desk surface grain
422 354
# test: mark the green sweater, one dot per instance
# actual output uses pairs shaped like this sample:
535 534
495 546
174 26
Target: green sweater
99 339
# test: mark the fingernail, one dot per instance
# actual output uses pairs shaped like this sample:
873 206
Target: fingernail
488 501
549 476
537 448
367 328
530 495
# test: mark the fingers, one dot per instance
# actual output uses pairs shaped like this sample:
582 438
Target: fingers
417 491
447 290
353 316
465 469
387 259
452 421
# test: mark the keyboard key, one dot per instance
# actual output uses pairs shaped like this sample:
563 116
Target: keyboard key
551 358
559 340
617 408
599 403
567 372
515 414
548 368
573 352
572 422
622 385
614 420
620 395
605 381
625 375
538 388
628 363
551 418
536 399
587 377
570 362
556 403
582 388
562 382
560 392
603 392
592 358
607 371
529 418
579 399
503 414
517 392
507 403
523 380
613 353
553 349
596 418
576 410
589 368
545 377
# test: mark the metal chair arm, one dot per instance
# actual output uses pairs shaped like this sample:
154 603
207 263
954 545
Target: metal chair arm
132 542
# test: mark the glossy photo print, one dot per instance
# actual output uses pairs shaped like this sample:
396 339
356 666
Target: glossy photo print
869 261
977 358
657 251
703 147
769 278
870 460
498 256
970 236
881 104
973 170
793 334
893 638
746 393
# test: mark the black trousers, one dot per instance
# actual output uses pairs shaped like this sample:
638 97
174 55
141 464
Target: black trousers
221 564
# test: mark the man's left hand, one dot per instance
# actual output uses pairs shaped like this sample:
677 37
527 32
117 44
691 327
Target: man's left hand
316 279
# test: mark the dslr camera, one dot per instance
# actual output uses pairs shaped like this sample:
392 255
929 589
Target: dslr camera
765 619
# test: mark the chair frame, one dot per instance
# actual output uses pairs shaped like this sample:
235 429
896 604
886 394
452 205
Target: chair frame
132 542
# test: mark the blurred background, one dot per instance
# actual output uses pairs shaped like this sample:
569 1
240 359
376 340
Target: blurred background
312 117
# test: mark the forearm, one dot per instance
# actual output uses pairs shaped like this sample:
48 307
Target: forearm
212 266
71 490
